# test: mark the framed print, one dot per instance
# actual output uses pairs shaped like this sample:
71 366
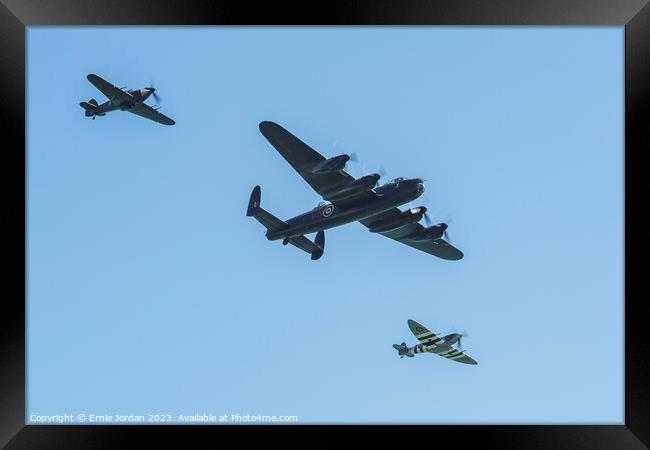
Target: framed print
192 176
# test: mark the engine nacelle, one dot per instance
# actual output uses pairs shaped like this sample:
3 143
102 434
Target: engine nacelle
357 186
407 217
429 233
330 165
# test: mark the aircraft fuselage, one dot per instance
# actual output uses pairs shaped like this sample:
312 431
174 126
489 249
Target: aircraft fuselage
137 96
423 348
328 216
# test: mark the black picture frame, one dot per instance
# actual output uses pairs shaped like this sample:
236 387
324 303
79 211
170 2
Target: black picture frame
16 15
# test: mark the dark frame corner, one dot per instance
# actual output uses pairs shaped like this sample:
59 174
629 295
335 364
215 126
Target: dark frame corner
16 15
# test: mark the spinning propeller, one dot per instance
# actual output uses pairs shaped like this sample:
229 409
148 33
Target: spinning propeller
157 97
354 157
462 335
427 219
445 234
447 221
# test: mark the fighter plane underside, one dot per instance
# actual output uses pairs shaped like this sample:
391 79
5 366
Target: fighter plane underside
119 99
431 343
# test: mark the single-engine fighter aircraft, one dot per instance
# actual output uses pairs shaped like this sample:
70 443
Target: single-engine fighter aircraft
131 101
431 343
347 200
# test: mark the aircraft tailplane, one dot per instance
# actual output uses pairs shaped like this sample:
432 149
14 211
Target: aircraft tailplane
272 223
89 106
402 349
264 217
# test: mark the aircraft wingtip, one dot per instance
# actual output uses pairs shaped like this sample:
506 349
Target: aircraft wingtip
267 125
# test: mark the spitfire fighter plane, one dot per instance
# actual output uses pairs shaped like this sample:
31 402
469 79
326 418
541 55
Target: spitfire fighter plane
431 343
347 200
131 101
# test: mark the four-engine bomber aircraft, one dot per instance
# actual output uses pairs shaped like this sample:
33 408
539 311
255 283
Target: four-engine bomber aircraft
131 101
347 200
431 343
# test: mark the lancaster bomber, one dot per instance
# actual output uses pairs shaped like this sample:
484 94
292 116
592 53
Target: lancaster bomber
346 200
131 100
431 343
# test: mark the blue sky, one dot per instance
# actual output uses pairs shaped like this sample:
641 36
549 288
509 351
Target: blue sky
151 292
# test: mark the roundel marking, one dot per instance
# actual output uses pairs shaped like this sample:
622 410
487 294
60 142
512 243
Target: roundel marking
418 328
328 210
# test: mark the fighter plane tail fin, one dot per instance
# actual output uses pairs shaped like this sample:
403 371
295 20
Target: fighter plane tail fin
89 106
402 349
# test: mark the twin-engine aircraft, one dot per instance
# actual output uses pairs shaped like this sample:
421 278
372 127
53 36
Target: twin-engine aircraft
431 343
347 200
131 101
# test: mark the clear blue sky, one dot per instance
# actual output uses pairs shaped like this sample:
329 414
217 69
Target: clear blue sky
150 291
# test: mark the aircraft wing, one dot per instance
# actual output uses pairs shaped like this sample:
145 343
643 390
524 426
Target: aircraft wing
114 93
302 242
303 158
148 112
424 335
438 247
457 355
